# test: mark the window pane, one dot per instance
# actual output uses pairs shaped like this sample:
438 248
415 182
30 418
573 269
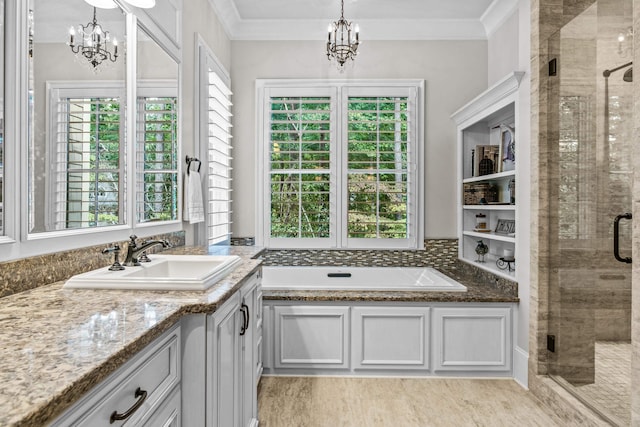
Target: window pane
157 154
299 153
377 162
87 167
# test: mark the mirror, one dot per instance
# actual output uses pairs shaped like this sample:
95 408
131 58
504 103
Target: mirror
76 116
157 132
2 117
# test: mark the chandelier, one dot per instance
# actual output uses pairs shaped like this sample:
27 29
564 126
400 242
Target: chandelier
94 43
342 43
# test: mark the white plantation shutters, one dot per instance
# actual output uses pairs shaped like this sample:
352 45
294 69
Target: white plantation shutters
300 167
380 165
86 134
219 160
157 156
342 165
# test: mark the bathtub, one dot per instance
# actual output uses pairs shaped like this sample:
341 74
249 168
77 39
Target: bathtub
357 278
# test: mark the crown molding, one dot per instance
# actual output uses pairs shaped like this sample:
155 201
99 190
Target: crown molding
497 13
238 28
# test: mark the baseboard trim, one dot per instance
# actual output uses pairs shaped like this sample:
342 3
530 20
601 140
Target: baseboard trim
521 367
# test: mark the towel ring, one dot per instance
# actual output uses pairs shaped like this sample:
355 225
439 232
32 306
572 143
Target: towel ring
190 160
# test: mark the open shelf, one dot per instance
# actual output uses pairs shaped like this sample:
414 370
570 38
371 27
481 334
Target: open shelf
490 177
489 120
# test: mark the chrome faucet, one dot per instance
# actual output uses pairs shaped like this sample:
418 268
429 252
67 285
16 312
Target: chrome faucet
133 251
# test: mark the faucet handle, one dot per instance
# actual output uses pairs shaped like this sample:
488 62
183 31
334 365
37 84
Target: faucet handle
132 239
115 249
144 257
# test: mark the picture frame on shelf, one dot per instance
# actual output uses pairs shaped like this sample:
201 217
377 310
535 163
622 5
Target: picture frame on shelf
505 226
507 148
486 159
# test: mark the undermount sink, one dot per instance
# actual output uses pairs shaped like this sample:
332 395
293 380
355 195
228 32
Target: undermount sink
164 272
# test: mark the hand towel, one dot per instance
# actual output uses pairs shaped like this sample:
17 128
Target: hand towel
193 206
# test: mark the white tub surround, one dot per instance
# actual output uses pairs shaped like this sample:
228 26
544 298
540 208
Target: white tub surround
358 279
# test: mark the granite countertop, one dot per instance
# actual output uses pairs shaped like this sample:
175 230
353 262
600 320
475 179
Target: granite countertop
56 344
479 289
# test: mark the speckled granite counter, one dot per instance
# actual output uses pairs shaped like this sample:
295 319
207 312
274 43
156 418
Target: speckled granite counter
478 290
56 344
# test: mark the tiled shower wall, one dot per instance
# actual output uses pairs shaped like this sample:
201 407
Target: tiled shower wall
588 289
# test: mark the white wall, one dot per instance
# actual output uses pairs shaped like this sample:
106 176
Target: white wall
198 18
454 71
503 47
509 50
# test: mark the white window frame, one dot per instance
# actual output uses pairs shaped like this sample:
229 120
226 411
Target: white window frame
160 89
207 62
55 90
267 88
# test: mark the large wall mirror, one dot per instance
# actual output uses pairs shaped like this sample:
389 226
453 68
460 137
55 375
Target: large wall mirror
86 172
2 30
77 116
157 132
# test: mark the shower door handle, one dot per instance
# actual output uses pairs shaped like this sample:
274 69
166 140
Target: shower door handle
616 238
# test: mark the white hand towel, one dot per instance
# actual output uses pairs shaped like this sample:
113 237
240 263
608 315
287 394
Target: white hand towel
193 205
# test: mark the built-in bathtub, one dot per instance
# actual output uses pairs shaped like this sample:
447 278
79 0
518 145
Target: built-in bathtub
357 278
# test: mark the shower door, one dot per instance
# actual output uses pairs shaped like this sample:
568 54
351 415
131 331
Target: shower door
590 175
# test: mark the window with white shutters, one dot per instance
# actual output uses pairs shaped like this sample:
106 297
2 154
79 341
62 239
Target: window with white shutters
219 160
343 169
300 159
157 163
378 152
87 166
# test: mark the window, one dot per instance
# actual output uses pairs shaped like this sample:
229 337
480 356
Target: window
87 187
215 140
157 198
341 164
87 170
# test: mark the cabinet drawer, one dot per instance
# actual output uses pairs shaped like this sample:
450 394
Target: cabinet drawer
154 370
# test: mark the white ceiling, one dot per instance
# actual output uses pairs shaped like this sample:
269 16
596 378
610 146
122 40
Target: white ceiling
377 19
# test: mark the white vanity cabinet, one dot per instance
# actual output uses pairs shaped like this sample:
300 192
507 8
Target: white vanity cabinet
145 391
232 359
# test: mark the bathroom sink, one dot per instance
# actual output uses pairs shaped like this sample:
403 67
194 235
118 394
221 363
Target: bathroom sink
164 272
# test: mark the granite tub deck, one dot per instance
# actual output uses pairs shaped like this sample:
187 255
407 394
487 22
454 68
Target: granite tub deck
479 289
57 344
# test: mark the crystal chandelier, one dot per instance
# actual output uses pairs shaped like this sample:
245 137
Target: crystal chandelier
342 43
94 43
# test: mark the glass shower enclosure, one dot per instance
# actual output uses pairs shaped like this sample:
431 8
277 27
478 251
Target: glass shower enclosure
590 126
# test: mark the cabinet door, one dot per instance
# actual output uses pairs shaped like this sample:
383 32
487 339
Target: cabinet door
391 338
223 382
472 338
252 314
311 337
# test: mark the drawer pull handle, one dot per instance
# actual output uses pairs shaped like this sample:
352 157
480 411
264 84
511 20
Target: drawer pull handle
141 395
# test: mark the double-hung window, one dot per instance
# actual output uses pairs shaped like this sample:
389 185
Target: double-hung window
215 145
340 164
89 171
87 128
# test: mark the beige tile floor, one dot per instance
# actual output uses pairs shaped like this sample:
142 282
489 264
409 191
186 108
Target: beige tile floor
610 394
398 402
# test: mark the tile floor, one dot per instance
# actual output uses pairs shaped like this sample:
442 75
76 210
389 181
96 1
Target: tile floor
610 394
398 402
